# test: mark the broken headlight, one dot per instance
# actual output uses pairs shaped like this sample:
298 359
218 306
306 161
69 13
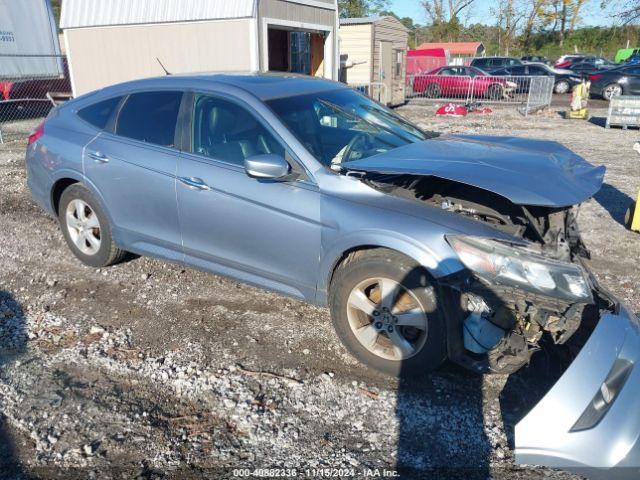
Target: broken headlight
522 268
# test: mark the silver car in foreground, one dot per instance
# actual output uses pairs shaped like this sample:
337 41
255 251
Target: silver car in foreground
425 247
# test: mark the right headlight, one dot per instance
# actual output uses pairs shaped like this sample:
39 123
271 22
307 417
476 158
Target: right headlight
522 268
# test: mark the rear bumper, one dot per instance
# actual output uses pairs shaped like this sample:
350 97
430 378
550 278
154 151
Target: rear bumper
611 448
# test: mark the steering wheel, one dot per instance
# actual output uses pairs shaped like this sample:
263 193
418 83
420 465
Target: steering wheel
349 149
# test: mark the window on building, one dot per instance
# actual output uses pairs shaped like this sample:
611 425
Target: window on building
399 60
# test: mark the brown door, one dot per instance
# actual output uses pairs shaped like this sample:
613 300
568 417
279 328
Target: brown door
317 54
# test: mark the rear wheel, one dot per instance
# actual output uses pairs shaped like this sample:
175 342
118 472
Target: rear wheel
495 92
86 228
562 87
433 91
611 91
385 311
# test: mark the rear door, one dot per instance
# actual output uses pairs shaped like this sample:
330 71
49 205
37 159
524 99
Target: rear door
132 164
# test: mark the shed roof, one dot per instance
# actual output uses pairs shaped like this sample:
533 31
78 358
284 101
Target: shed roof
370 20
456 48
92 13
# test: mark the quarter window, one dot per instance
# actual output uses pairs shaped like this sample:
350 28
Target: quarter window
99 113
150 117
226 131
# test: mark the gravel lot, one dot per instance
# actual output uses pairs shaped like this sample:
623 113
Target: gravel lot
152 370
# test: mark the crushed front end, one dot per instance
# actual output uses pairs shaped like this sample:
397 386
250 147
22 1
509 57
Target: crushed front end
513 297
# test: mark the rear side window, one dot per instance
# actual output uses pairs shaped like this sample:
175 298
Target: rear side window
150 117
99 113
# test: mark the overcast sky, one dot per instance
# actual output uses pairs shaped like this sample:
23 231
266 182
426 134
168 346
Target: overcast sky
481 9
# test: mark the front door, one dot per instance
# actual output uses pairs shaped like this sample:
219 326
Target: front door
133 168
386 71
265 232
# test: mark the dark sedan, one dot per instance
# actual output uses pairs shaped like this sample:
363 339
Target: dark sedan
563 82
591 65
617 81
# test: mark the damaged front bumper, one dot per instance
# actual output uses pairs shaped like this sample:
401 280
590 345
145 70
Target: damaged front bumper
563 431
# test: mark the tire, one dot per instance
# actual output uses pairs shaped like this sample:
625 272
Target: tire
495 92
611 90
562 87
409 349
86 228
433 90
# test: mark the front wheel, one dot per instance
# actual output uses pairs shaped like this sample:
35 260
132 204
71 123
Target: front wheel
86 228
611 91
562 87
385 311
495 92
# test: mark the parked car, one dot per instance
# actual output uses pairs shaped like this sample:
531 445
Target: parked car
563 82
535 59
566 60
424 246
590 64
454 81
490 64
623 80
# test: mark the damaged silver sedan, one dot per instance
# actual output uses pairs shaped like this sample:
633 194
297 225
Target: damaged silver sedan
425 247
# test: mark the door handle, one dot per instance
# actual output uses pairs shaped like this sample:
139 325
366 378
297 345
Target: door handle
194 183
98 157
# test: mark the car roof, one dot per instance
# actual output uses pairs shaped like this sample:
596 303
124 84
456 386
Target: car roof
265 86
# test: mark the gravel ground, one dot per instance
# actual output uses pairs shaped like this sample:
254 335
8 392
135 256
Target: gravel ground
152 370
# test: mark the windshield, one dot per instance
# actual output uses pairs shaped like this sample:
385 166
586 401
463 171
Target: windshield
343 125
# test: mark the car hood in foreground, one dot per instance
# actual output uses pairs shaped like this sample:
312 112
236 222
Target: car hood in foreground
527 172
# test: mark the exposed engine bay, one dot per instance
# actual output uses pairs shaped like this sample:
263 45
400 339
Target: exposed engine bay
503 326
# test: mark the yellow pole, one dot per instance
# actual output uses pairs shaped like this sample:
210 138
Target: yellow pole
635 222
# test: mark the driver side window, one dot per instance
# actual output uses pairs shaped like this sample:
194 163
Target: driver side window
225 131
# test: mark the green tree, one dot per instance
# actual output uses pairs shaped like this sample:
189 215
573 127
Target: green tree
361 8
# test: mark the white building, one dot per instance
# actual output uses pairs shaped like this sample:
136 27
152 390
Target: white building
113 41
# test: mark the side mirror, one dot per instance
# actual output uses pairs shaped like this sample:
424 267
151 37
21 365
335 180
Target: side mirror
266 166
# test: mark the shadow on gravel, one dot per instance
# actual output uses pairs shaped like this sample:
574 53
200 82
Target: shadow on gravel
440 415
614 201
12 344
598 121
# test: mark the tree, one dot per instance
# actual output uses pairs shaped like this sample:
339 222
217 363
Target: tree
628 12
361 8
445 17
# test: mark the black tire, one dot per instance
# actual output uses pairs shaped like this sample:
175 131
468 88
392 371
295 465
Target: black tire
380 262
433 90
108 253
495 91
607 93
562 87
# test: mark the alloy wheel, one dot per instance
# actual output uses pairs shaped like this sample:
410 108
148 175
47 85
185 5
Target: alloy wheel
83 227
562 87
611 91
387 319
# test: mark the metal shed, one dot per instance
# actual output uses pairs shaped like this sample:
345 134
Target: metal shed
119 40
374 49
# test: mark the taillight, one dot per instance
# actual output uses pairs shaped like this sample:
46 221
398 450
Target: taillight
5 90
593 78
39 132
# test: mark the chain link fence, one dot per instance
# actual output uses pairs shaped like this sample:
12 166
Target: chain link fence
526 93
26 98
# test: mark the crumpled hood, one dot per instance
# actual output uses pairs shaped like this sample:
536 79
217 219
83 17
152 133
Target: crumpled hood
527 172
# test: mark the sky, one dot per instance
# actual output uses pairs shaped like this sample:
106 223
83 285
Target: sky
592 14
